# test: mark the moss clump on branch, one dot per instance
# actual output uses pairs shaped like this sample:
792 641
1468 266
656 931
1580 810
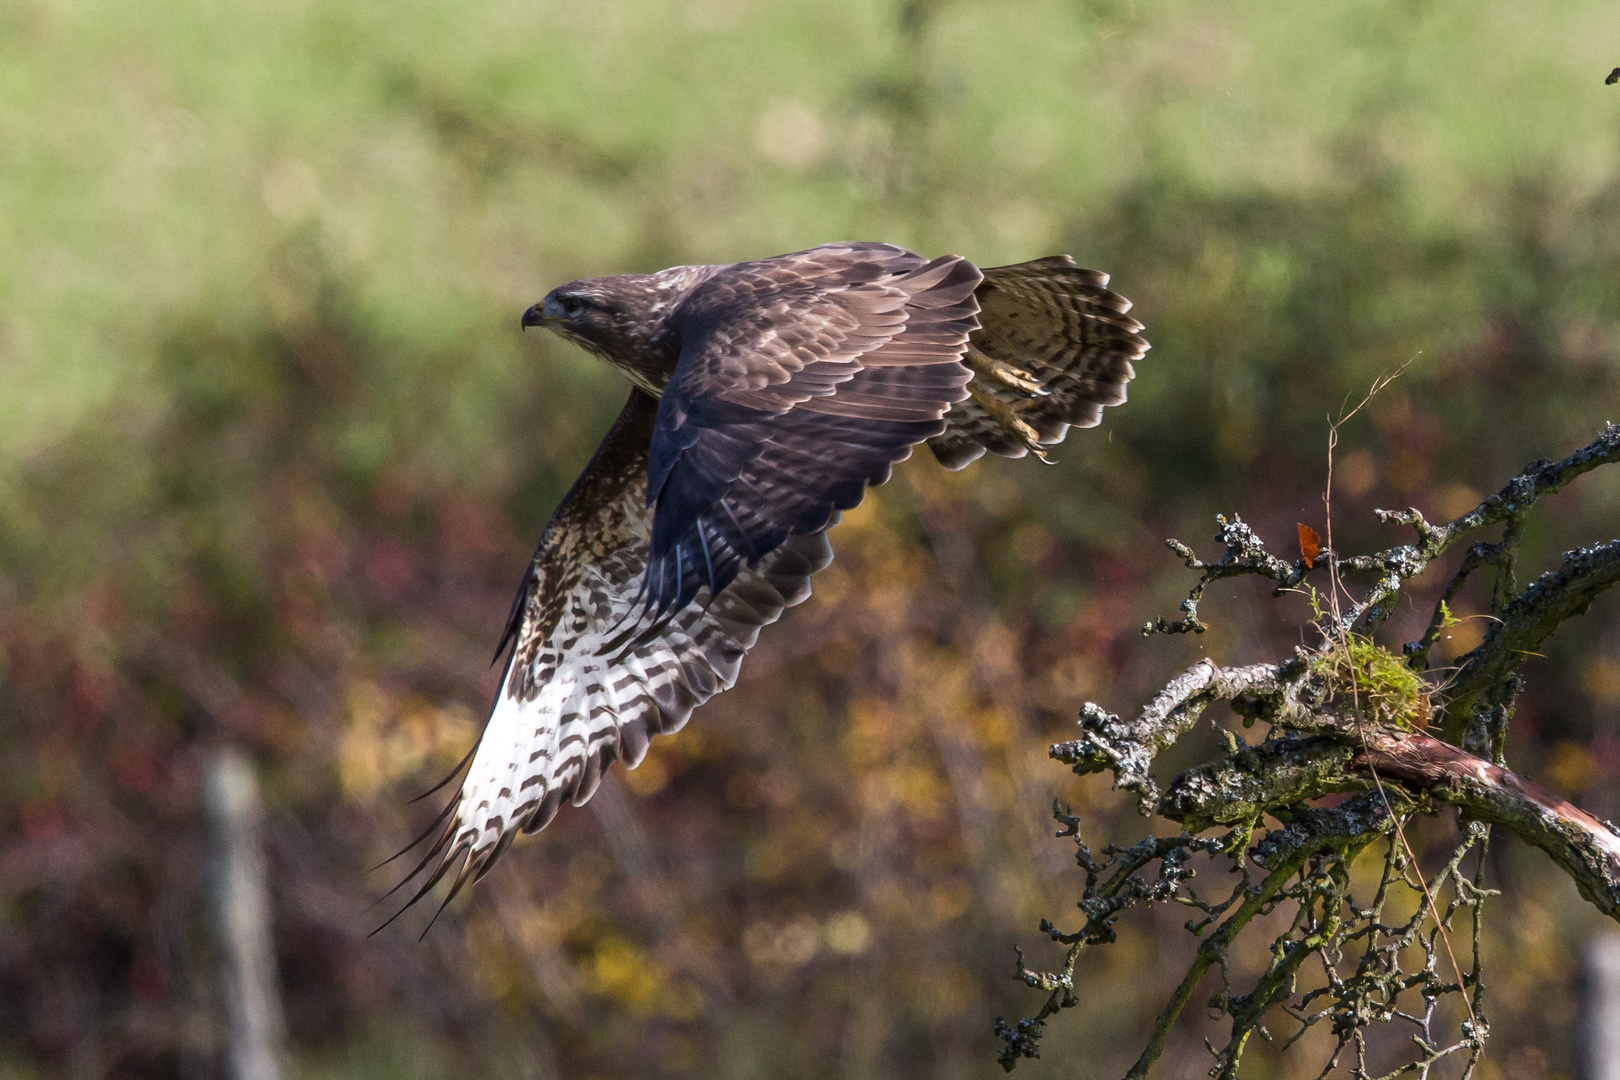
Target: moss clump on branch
1361 675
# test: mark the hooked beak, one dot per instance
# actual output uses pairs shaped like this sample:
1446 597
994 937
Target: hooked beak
549 310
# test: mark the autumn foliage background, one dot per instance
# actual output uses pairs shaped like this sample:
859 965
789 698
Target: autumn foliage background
274 454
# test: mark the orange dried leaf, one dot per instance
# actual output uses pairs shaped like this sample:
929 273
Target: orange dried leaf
1310 545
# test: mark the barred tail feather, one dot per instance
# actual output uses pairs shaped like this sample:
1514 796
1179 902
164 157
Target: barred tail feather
1054 347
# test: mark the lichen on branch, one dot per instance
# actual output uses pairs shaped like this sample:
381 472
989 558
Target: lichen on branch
1358 739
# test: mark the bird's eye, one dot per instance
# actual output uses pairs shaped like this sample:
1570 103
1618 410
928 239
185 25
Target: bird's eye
572 307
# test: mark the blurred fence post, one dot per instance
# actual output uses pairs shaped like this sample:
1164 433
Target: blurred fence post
1600 1009
255 1027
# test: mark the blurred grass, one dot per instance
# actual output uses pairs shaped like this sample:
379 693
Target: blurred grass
448 160
267 422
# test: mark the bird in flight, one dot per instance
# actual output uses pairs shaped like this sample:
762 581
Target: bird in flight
766 397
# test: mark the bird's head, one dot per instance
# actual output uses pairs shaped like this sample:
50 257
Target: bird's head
622 319
593 312
626 319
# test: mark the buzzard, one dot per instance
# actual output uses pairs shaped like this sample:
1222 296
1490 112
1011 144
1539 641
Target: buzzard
767 396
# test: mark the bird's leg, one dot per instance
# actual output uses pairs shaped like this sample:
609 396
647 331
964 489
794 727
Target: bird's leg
1002 413
1005 373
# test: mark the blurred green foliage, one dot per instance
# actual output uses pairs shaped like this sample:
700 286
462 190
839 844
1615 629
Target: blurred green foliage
273 451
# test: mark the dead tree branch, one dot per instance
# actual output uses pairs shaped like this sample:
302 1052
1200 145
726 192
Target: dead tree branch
1352 721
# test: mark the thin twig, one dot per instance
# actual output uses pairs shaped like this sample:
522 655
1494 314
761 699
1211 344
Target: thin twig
1338 638
1327 490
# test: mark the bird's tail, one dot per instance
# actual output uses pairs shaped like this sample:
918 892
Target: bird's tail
1054 347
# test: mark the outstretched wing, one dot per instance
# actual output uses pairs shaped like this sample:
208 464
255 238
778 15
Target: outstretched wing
1054 346
576 695
801 380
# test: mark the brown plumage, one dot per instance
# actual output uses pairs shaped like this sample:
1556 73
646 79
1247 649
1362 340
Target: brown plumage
1054 347
767 397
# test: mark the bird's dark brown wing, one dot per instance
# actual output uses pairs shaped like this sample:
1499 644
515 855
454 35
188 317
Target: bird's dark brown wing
801 380
1054 346
574 696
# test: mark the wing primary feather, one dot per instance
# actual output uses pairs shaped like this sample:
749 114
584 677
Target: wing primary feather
659 625
429 831
461 880
514 622
440 785
487 863
433 852
752 555
630 609
427 886
708 560
648 591
461 847
409 904
659 602
681 599
405 881
617 640
654 630
613 644
629 641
